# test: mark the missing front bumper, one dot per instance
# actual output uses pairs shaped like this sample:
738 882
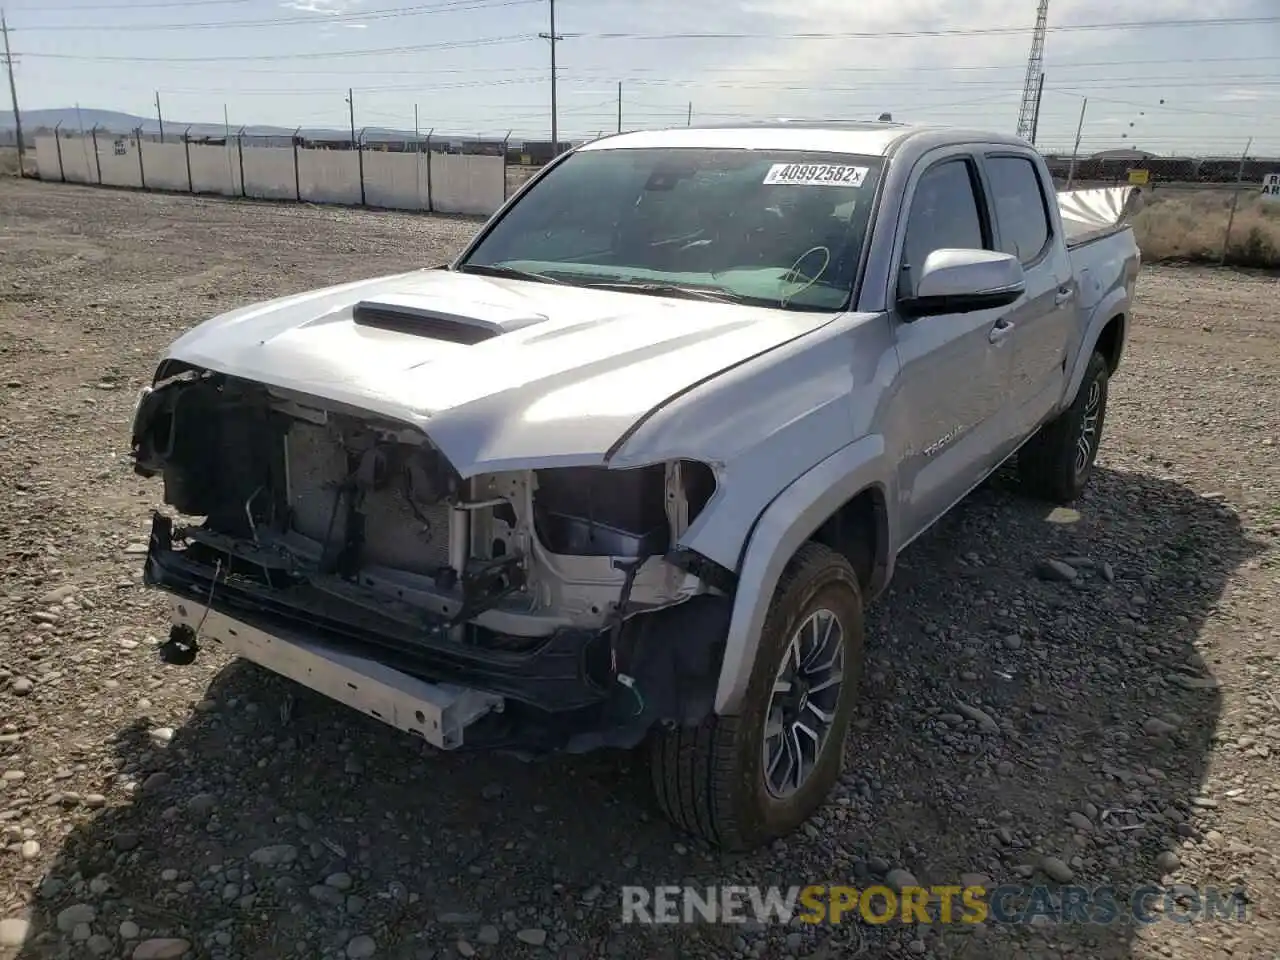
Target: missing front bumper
438 713
557 694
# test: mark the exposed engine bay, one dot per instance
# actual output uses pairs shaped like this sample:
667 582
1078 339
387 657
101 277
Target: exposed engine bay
523 583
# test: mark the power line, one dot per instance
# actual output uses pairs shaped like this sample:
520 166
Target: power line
941 32
75 8
1167 108
323 91
317 55
610 73
457 6
903 86
900 34
1259 79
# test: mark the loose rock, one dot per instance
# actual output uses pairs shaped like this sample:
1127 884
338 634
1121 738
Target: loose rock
275 855
161 948
1056 869
1056 570
75 914
14 931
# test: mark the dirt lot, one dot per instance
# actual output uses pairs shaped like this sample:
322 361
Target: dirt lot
1137 708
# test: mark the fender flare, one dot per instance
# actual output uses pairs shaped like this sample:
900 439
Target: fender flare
1114 305
786 523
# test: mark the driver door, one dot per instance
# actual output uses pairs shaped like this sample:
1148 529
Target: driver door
955 367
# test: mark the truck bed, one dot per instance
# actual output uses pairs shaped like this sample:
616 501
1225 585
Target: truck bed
1090 215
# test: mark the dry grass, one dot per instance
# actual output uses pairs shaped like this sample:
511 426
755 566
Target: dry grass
9 162
1189 226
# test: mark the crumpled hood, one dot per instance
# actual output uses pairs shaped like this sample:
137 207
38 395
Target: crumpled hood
571 371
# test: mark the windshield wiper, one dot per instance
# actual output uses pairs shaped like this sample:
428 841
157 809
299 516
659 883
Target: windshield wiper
667 290
498 270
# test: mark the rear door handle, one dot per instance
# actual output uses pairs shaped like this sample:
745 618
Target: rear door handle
1001 330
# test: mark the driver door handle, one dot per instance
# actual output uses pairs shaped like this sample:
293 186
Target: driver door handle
1001 330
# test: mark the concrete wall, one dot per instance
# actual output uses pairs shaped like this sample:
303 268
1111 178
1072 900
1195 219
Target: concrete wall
118 159
445 183
397 180
268 172
465 184
329 176
77 163
215 170
165 165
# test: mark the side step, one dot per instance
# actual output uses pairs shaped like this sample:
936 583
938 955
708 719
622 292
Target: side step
439 713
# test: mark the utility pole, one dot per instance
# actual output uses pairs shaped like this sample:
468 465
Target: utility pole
13 92
1235 202
226 142
619 106
351 104
553 37
689 121
159 116
1075 151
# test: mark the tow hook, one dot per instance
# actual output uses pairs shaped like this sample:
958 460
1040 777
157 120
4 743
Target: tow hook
181 647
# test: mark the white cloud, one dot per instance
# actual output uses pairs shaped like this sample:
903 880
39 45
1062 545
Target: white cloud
1243 95
326 7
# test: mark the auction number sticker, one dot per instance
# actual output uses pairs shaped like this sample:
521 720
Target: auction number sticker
816 174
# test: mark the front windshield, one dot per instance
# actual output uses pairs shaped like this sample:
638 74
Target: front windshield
776 228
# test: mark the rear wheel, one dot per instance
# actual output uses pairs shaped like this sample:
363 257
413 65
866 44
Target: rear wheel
742 781
1057 462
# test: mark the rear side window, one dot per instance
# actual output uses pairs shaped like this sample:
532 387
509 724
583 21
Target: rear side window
1020 208
944 215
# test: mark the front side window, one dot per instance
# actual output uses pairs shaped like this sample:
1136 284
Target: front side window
944 215
1020 209
782 229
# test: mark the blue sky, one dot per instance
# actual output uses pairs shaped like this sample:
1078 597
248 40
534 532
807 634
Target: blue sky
478 67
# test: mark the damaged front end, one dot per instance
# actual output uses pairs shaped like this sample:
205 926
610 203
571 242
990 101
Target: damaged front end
539 609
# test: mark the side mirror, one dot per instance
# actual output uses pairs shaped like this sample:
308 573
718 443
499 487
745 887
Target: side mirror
962 281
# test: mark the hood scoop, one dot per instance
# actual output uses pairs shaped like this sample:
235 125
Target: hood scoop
431 317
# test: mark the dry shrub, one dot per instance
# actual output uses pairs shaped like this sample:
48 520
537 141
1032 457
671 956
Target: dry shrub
1190 227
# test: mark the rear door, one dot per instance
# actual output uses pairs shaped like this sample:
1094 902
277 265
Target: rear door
954 421
1046 318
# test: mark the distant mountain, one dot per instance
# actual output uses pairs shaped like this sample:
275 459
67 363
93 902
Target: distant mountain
113 121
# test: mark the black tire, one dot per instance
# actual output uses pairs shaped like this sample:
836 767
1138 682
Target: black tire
1053 464
710 779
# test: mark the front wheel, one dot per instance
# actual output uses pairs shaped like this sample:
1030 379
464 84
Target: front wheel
741 781
1057 462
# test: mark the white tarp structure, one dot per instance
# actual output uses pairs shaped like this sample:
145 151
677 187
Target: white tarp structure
1087 214
445 183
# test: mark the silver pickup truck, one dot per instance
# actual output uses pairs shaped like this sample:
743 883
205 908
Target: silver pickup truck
628 469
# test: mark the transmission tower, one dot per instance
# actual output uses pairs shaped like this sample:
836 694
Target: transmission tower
1034 80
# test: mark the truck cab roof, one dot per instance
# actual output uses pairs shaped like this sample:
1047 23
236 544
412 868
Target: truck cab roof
863 138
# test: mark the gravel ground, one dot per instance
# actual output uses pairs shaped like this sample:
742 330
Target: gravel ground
148 811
